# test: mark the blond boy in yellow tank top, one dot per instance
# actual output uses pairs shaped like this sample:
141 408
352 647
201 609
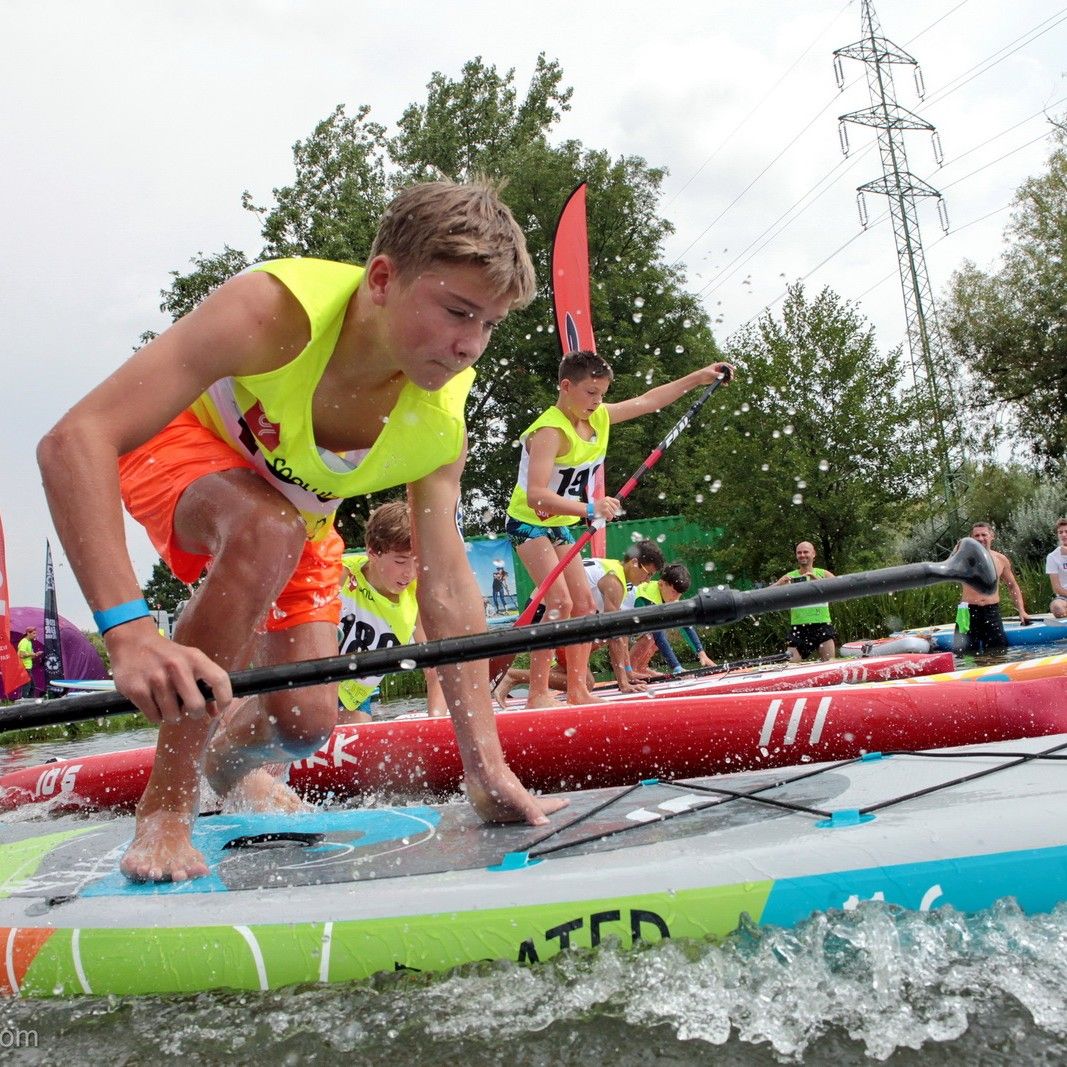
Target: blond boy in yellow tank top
254 495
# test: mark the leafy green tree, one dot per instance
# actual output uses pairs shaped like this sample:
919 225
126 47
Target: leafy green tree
1010 325
812 442
480 124
163 590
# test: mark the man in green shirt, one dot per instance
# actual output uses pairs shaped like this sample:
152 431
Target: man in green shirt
809 628
27 654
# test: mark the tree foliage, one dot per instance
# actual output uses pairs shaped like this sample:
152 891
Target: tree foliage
480 124
811 442
1010 325
163 590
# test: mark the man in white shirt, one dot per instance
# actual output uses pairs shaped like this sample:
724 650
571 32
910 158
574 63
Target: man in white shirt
1056 569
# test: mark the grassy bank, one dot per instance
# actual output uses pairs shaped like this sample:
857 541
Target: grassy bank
113 724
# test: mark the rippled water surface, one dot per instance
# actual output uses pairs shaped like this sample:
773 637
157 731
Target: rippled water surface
874 984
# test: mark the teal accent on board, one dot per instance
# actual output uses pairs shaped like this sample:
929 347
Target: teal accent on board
842 818
211 835
993 678
1034 877
514 861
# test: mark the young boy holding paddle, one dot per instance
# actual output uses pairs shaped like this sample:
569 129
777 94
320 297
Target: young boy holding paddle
562 450
234 434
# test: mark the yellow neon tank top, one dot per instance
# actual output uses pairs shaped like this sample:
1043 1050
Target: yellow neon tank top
595 569
268 417
573 473
370 620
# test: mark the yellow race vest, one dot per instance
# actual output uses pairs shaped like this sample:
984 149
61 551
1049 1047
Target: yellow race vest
573 473
595 570
370 620
267 417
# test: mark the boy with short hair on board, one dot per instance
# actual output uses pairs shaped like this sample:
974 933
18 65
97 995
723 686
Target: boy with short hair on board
561 452
380 608
608 580
236 431
674 582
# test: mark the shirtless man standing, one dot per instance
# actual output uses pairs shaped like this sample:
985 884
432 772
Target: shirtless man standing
986 630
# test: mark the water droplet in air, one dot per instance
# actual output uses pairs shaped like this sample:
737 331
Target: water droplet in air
787 429
636 316
639 301
824 464
679 349
798 498
407 664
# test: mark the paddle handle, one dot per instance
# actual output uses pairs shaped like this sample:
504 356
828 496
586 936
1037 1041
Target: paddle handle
970 563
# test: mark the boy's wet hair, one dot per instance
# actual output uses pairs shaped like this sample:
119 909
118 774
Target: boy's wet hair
458 224
646 553
676 575
988 525
577 366
1061 522
389 528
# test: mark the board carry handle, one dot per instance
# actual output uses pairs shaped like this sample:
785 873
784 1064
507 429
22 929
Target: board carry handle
969 563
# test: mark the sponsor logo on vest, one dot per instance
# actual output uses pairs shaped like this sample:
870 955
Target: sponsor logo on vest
284 473
266 432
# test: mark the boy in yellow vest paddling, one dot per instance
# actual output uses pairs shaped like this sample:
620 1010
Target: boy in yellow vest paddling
673 583
237 431
562 450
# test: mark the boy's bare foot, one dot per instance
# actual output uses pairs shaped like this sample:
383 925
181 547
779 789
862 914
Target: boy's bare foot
162 850
583 696
501 693
259 790
546 700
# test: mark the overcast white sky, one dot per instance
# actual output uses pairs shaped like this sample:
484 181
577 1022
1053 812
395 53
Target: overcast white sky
131 127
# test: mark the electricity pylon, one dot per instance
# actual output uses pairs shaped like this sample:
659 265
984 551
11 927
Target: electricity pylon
930 369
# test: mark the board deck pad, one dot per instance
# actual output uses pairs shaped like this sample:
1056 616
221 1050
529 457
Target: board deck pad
265 851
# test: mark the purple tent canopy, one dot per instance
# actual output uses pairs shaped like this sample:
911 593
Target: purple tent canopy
80 659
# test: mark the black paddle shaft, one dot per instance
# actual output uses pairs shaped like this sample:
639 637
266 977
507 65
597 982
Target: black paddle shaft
970 563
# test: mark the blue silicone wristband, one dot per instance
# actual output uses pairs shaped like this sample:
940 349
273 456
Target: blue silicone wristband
590 509
109 618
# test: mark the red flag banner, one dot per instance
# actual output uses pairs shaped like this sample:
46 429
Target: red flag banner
570 298
570 277
12 674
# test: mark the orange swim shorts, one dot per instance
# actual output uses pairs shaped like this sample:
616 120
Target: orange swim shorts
153 478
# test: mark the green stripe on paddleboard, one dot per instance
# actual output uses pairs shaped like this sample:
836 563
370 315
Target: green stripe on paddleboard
21 859
188 959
